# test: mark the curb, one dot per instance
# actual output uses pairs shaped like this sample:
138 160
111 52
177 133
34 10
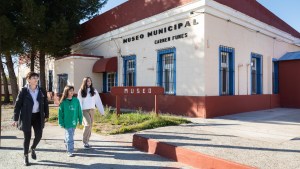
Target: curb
183 155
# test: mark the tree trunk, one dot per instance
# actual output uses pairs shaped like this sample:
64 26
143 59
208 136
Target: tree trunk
42 69
32 58
5 85
12 76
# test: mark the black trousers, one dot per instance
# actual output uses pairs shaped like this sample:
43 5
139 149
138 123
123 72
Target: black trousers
38 131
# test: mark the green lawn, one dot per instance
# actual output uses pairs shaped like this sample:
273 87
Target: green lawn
110 123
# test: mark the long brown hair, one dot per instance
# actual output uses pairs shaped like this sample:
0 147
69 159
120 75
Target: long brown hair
84 87
65 93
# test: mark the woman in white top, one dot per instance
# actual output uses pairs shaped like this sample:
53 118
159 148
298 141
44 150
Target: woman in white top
88 98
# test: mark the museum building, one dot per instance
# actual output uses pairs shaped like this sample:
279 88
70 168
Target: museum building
212 57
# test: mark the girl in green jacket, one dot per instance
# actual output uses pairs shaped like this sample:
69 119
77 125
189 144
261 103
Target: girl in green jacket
69 114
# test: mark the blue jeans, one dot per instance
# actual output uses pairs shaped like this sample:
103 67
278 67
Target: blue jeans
69 139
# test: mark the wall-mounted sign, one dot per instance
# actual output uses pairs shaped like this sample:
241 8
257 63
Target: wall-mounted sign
138 91
142 90
170 38
163 30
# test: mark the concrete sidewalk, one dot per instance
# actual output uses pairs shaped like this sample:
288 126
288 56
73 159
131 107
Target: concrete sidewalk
108 152
268 139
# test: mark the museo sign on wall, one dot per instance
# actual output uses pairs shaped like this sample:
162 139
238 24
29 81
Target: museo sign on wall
164 30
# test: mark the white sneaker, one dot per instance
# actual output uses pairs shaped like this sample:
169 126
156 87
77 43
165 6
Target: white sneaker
70 154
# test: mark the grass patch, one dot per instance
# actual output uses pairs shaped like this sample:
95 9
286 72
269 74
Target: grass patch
110 123
8 106
152 121
53 114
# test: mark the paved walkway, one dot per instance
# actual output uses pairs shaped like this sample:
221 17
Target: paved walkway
268 139
108 152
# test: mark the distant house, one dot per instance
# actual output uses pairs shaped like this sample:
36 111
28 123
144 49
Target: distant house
23 69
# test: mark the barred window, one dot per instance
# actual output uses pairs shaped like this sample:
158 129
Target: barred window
253 76
62 82
256 73
226 70
50 81
166 70
225 73
275 77
129 71
111 80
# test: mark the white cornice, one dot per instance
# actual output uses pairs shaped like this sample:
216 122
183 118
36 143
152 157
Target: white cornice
76 57
184 12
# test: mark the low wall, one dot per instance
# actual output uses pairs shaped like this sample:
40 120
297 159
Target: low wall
197 106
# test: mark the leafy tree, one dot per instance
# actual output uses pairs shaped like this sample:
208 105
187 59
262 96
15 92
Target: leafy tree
31 22
40 28
52 28
9 42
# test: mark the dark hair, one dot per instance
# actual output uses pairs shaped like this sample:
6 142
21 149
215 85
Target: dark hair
65 93
83 87
31 74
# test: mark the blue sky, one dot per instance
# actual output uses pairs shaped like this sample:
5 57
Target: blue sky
287 10
111 4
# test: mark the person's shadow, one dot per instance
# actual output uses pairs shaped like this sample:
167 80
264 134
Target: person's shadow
97 165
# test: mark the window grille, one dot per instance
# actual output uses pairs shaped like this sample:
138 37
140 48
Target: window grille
275 77
111 80
253 76
50 82
62 82
256 73
129 71
226 70
167 70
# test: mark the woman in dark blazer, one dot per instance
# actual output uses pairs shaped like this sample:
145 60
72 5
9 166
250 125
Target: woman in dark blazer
31 110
